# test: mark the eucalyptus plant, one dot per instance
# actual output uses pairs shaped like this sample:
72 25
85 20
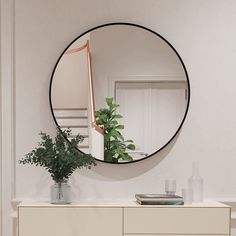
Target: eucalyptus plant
59 157
115 146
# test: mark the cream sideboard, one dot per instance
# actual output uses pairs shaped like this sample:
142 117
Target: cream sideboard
122 219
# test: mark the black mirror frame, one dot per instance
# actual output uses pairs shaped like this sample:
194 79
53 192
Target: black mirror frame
158 35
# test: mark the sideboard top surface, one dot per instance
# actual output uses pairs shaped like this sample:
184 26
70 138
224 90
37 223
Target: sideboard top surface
132 204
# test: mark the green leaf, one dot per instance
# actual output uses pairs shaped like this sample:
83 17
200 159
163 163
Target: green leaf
119 127
129 141
109 101
113 122
127 157
131 147
116 134
114 106
117 116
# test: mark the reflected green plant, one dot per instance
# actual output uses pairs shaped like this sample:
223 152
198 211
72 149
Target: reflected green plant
115 146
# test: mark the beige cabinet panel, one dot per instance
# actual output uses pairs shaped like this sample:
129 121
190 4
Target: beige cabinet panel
63 221
172 235
123 219
177 220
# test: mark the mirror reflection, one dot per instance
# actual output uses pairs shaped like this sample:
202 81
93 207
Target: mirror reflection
124 89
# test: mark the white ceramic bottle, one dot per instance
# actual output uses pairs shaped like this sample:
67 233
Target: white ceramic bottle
195 183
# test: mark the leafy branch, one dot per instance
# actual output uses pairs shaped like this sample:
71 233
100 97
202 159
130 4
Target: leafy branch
59 157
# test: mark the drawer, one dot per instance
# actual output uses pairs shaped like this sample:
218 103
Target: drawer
174 220
172 235
71 221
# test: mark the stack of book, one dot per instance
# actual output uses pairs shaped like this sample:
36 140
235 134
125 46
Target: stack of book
159 199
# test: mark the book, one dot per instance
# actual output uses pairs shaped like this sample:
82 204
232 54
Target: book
160 202
159 199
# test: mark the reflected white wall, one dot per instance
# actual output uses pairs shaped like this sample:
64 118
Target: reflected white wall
70 80
125 51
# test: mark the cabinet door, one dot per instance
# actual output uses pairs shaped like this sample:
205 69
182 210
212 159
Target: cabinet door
70 221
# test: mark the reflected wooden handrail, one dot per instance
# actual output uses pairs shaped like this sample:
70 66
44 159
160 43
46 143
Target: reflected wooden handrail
91 91
90 80
74 50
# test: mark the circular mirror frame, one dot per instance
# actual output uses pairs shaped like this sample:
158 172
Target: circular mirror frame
158 35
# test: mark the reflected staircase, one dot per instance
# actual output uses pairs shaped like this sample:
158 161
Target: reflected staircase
77 120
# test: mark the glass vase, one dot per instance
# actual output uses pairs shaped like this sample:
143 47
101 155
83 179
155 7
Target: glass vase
60 193
195 184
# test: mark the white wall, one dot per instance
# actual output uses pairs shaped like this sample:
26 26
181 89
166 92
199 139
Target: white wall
204 34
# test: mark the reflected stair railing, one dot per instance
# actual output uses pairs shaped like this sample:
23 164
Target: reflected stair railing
90 84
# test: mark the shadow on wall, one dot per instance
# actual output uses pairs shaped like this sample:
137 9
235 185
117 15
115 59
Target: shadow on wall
111 172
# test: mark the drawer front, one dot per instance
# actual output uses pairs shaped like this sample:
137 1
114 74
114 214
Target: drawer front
39 221
176 221
172 235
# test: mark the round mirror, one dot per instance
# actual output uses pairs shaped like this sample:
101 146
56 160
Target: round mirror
124 88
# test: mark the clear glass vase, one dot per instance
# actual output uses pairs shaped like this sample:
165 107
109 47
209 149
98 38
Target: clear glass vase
195 184
60 193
